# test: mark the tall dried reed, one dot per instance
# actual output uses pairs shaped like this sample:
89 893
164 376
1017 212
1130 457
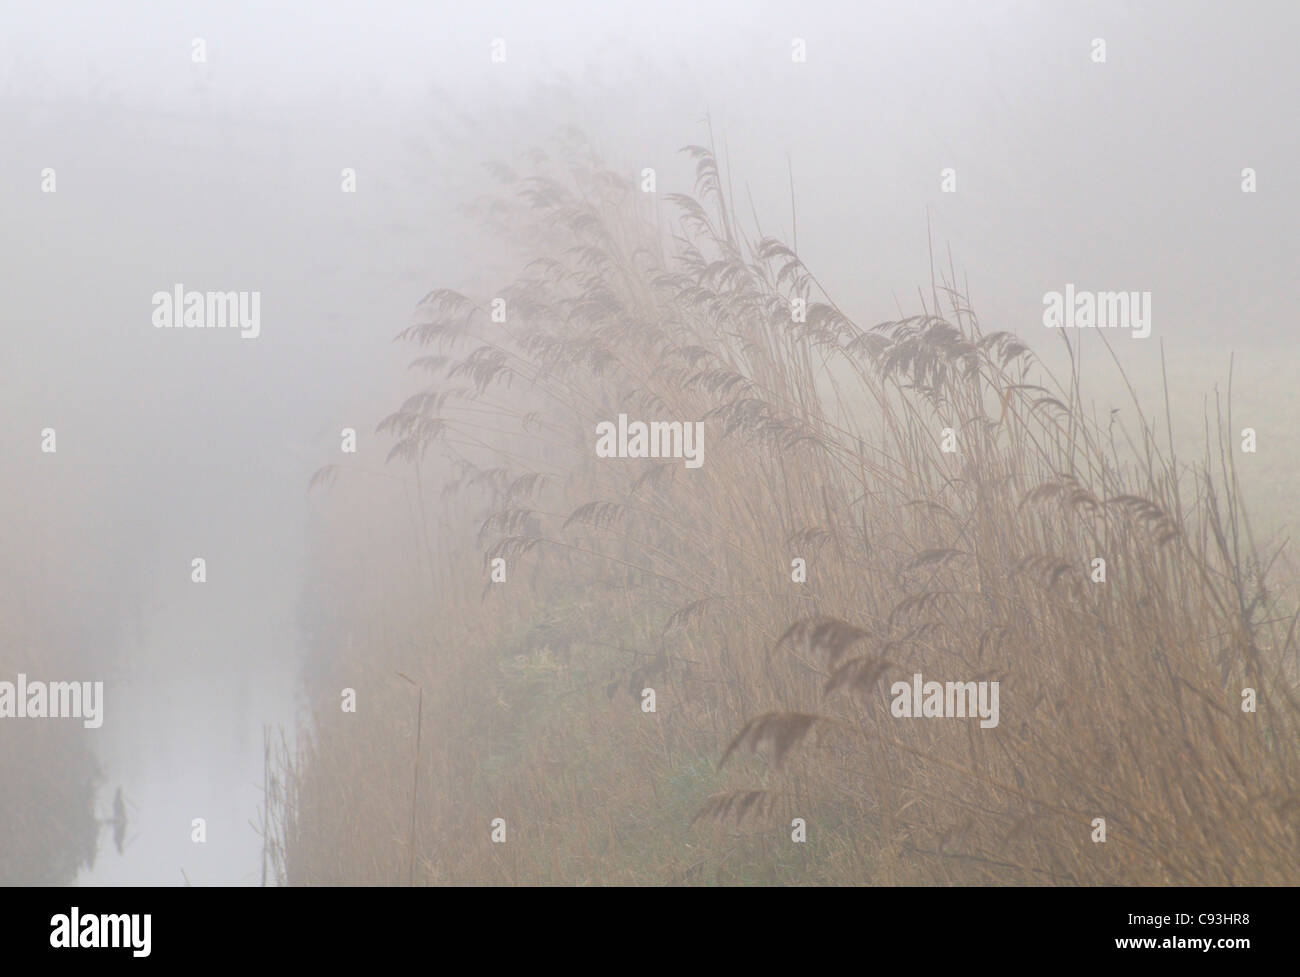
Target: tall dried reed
1121 699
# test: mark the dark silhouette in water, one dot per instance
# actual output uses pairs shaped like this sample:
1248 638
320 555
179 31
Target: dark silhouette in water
118 821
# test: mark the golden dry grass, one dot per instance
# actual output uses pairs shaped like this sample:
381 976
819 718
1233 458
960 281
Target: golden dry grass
1119 700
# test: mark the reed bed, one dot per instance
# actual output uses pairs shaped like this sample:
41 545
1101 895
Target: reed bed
824 442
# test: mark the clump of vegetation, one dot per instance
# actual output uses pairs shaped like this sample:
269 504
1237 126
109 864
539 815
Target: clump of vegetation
48 829
1121 692
49 774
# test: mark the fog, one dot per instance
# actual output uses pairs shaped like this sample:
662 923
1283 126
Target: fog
225 175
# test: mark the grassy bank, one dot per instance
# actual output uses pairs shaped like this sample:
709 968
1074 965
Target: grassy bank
825 449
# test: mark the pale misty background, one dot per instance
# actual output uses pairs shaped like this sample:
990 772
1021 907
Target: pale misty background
226 176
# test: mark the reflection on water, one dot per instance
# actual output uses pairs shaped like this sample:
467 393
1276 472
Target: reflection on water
185 739
191 748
